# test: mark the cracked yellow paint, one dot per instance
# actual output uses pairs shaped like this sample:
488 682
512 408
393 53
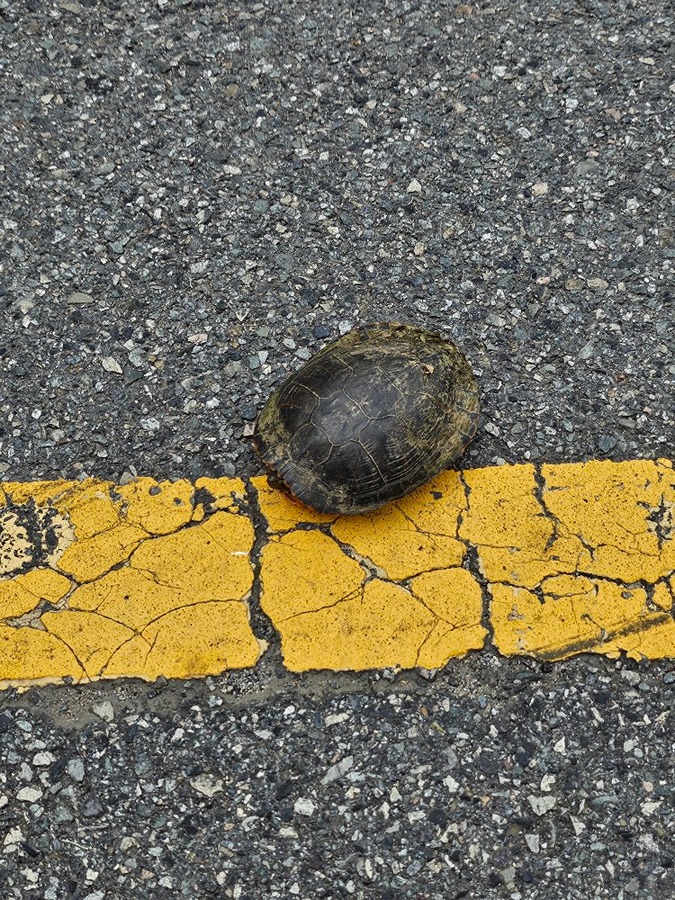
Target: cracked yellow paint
513 533
88 559
25 592
151 578
39 492
93 638
578 557
304 571
382 625
128 596
205 639
143 585
157 508
574 614
454 597
282 513
226 493
29 656
348 598
413 535
621 511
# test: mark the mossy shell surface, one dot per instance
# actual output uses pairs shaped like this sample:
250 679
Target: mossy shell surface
369 418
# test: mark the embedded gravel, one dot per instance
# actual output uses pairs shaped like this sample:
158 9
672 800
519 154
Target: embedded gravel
549 783
194 197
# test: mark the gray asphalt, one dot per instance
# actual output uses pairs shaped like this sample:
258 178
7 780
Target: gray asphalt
196 196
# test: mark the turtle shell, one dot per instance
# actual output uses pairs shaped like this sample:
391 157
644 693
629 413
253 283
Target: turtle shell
369 418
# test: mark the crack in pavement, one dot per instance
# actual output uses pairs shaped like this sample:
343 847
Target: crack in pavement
460 559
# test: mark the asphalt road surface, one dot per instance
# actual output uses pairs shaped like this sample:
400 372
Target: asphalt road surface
196 196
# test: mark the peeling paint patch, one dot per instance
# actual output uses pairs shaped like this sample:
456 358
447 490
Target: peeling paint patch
133 582
30 535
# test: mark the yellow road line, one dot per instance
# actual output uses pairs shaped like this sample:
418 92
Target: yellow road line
99 580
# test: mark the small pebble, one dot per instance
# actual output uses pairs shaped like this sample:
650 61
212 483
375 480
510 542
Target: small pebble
29 794
541 805
104 710
606 442
110 364
304 806
75 769
248 412
586 166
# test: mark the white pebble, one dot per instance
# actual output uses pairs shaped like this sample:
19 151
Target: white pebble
104 710
29 794
541 805
532 841
304 806
206 784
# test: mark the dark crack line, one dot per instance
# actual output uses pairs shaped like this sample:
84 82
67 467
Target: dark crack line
249 506
432 569
300 526
591 576
120 564
472 563
95 612
422 645
662 518
101 602
557 525
430 534
151 576
151 647
350 596
561 531
123 506
148 536
175 609
101 672
591 644
70 649
437 617
368 566
44 604
262 625
151 644
119 524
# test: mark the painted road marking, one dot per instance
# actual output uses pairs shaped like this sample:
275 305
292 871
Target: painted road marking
378 590
99 580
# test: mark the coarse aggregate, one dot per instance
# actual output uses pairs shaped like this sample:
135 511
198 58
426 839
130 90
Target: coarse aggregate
197 195
194 197
547 783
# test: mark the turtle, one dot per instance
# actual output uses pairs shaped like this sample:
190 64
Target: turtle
369 418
